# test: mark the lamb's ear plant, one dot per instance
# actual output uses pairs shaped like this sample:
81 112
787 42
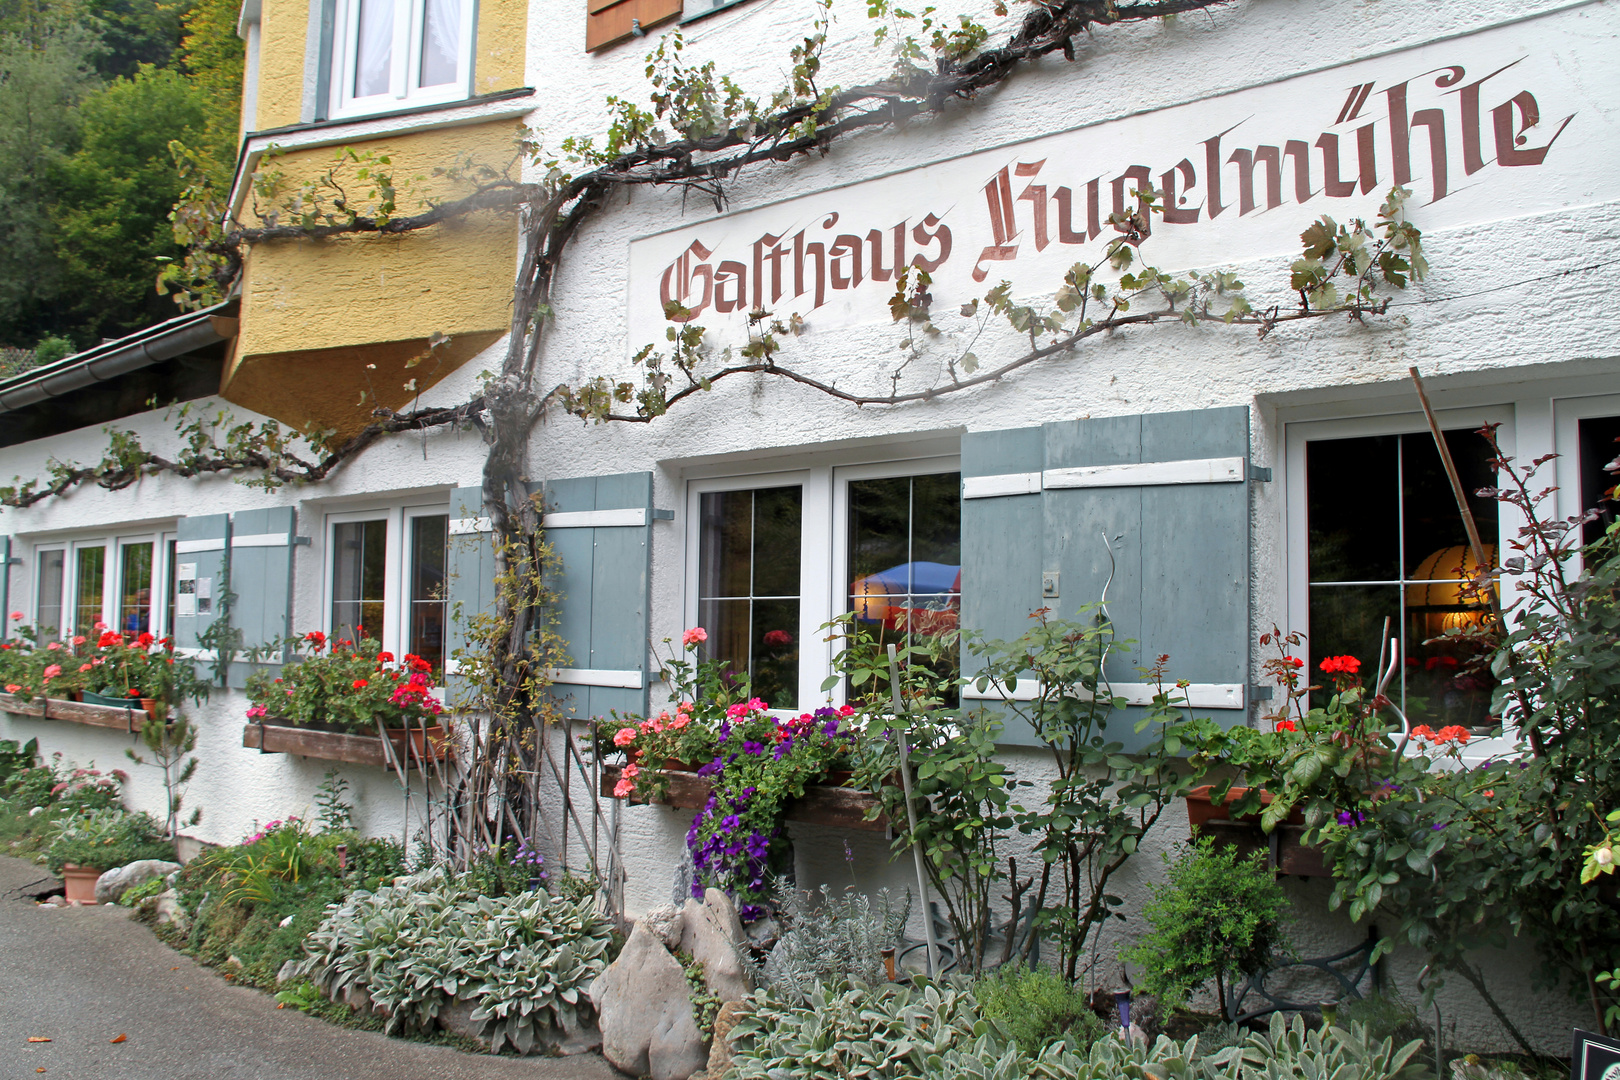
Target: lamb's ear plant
523 961
836 943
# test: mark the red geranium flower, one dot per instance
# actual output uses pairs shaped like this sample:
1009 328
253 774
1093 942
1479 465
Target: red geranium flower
360 684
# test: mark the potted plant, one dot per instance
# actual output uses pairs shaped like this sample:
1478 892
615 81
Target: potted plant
85 846
344 687
140 670
31 668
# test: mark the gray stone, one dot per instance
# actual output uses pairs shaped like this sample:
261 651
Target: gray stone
288 972
187 848
710 934
720 1048
114 883
644 1011
665 922
166 910
456 1017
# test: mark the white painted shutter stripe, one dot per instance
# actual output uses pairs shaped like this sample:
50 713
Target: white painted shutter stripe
1226 470
470 526
989 487
1194 695
187 547
595 519
629 680
259 540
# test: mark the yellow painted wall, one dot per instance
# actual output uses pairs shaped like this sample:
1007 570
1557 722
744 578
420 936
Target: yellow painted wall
498 65
281 62
314 313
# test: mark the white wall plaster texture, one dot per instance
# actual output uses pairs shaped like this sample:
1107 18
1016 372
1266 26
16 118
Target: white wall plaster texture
1518 345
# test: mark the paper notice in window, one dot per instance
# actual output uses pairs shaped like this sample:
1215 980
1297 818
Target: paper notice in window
205 595
186 571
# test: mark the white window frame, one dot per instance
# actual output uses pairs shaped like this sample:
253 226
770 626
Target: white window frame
396 565
1297 545
409 16
823 553
112 584
1567 416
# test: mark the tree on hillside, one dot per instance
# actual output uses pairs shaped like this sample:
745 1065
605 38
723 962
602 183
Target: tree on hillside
113 197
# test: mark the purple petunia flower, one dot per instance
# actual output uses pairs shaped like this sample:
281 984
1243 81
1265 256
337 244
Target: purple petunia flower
782 749
1350 817
711 768
697 889
750 913
758 845
1437 826
729 822
830 727
752 747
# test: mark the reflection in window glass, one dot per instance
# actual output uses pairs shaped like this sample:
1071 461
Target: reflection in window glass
1386 541
441 41
748 586
48 606
359 551
905 555
90 571
172 573
429 537
135 589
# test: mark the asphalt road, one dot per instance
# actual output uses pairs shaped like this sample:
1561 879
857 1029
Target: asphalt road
83 976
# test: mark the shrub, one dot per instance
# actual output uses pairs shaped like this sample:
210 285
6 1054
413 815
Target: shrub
1038 1008
836 944
413 946
106 838
1385 1016
1219 914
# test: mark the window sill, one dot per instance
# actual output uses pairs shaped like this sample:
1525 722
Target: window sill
843 808
77 712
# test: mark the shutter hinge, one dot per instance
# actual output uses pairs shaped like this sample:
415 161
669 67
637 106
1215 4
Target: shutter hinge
1260 472
1259 693
663 515
301 541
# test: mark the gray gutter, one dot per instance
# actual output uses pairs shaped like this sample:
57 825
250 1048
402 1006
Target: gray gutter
142 349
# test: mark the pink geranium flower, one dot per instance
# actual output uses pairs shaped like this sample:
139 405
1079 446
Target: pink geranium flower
625 737
694 637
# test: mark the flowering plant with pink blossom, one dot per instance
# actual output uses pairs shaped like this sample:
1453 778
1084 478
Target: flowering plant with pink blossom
347 685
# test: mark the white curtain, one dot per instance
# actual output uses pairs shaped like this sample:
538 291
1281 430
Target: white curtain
441 42
373 66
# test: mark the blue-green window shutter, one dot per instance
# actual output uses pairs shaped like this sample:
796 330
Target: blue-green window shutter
1157 502
261 563
470 588
600 529
202 543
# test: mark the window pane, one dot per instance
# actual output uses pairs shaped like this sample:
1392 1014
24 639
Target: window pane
374 48
360 549
1353 489
1599 442
1431 523
441 41
91 567
48 605
135 589
429 537
748 586
172 567
905 557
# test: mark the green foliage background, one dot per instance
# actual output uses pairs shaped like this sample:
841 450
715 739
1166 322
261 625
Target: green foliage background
96 98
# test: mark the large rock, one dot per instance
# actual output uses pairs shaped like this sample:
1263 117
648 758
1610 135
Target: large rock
710 934
166 910
666 924
456 1016
114 883
720 1048
644 1011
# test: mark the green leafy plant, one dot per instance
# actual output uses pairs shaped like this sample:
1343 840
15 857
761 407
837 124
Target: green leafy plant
106 839
705 1003
1037 1008
169 744
413 946
1217 917
348 685
148 888
837 943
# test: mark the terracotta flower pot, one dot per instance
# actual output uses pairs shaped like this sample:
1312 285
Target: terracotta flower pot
80 882
1201 809
425 743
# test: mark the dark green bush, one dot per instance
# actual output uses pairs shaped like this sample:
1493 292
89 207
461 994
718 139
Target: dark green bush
1218 916
1036 1007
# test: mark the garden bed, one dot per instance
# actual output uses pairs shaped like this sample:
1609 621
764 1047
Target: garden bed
130 720
843 808
272 738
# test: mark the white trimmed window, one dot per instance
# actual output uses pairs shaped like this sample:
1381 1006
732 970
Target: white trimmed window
392 54
125 581
773 556
385 578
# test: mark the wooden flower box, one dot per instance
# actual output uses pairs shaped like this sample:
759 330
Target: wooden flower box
840 807
115 717
1285 852
270 737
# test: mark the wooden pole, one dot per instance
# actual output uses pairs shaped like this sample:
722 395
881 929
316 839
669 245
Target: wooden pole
911 811
1470 526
